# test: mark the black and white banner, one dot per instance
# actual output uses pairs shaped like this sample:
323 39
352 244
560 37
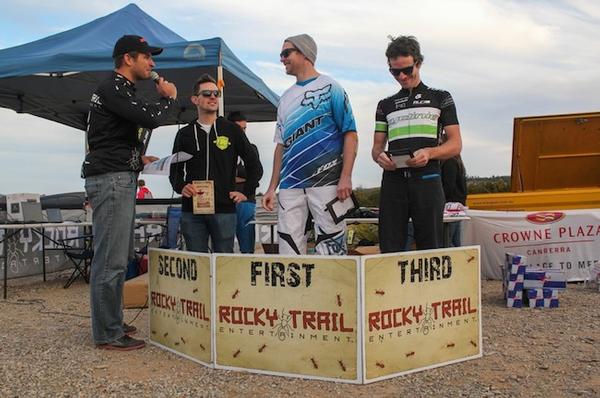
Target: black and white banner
23 247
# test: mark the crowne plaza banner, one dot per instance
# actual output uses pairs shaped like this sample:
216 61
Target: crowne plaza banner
288 315
567 240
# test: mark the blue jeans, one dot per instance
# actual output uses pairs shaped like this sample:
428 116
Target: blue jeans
196 228
454 234
245 231
112 196
173 221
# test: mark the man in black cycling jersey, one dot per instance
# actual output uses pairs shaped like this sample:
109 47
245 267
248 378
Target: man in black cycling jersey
411 123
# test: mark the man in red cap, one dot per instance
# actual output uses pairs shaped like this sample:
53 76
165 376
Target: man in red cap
116 122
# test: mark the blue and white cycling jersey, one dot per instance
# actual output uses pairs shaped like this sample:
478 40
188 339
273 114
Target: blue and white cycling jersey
312 119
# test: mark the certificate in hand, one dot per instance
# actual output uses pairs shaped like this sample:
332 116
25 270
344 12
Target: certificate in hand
204 202
400 156
340 209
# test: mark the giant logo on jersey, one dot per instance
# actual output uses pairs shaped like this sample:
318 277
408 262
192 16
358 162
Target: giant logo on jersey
316 97
305 128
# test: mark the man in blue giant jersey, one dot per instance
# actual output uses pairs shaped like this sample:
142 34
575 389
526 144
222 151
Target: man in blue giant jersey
316 144
411 123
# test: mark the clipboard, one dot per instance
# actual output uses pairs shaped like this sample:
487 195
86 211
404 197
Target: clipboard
339 210
400 156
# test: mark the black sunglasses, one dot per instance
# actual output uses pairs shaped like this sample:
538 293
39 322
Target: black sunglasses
286 53
406 70
208 93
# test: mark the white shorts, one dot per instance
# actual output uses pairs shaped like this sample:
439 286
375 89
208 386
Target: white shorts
292 230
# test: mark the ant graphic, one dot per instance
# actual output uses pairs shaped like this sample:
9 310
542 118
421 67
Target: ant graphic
283 327
14 252
427 322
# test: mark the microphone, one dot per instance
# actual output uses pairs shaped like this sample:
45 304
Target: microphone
154 76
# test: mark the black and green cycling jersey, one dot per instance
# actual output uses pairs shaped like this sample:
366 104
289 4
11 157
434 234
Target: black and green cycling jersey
414 119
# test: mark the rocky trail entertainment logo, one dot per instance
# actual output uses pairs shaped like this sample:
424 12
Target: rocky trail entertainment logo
181 310
252 307
423 319
284 325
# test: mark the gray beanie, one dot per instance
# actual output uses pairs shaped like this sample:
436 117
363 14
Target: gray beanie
306 45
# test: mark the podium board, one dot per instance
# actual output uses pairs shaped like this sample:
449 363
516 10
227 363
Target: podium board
288 315
179 295
347 319
421 310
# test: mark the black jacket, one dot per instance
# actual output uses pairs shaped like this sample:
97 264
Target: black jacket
225 145
241 172
454 181
116 126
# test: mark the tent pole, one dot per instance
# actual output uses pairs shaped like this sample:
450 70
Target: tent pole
221 84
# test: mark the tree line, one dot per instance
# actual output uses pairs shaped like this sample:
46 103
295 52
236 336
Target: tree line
369 197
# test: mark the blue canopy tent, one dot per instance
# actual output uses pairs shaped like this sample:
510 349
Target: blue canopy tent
54 77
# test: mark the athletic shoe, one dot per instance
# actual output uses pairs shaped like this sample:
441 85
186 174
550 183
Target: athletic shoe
124 343
129 329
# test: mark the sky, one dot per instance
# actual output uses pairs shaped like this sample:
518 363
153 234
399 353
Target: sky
499 59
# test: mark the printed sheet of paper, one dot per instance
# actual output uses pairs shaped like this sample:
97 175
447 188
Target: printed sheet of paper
163 166
400 160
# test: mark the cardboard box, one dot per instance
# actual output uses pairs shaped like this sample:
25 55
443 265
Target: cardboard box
363 250
135 292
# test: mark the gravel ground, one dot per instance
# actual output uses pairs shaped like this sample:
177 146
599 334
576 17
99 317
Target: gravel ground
46 350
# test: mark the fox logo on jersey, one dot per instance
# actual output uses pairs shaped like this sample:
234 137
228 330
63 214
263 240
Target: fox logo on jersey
316 97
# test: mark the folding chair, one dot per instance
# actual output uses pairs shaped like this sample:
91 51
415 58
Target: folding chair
139 263
80 255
